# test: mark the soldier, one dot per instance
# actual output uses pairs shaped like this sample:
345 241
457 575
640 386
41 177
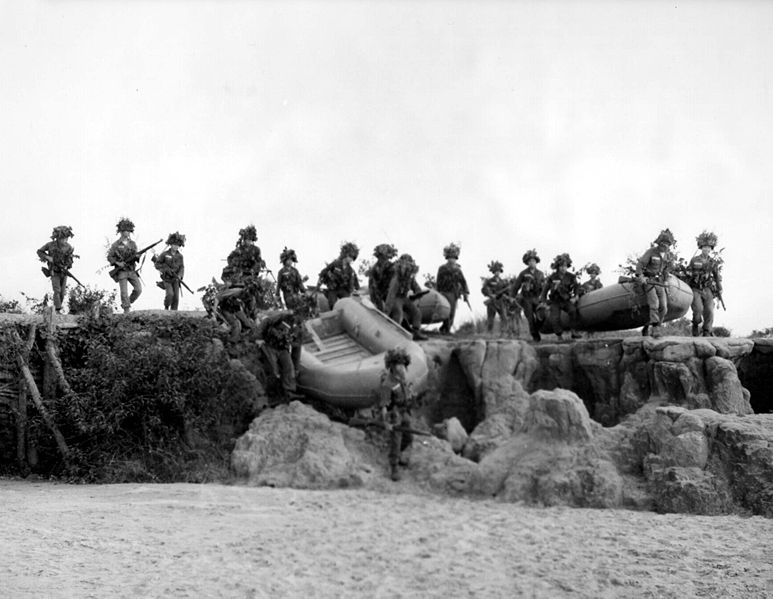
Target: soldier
245 259
560 292
289 282
529 283
494 290
171 265
651 273
451 283
380 274
593 282
123 257
705 279
398 303
396 399
59 255
280 332
339 277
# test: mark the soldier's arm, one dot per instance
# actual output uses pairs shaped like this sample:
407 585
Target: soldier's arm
642 262
392 293
181 270
465 288
43 254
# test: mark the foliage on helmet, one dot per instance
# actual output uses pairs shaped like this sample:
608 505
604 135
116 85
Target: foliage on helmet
395 356
495 266
287 254
592 269
561 259
407 262
304 306
349 248
385 250
248 233
531 254
707 238
666 236
62 232
125 225
451 251
176 238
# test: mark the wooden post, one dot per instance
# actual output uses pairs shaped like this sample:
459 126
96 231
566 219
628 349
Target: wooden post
36 397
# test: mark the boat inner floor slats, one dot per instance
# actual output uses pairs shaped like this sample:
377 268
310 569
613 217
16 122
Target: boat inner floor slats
338 349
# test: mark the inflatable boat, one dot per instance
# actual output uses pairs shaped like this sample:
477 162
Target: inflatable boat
343 354
434 307
624 306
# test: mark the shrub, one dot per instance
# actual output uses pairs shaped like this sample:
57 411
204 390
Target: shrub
87 300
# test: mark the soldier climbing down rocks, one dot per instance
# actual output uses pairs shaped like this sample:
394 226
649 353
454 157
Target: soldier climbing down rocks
396 400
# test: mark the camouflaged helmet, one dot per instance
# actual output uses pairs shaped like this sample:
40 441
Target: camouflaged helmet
451 251
707 238
666 236
176 238
564 259
287 254
385 250
408 261
248 233
531 254
495 266
593 269
349 248
304 306
62 232
125 225
395 356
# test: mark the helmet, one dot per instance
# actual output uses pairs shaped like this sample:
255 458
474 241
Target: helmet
287 255
564 259
531 254
385 250
62 232
495 266
593 269
349 249
396 356
124 225
451 251
707 238
248 233
176 238
666 236
408 261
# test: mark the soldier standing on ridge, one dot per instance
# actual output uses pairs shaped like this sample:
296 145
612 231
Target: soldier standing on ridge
398 303
651 273
560 291
122 255
380 274
339 277
530 282
245 259
593 283
396 399
171 265
494 290
451 283
705 279
289 282
59 255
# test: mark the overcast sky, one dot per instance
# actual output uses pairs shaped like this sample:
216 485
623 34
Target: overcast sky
580 127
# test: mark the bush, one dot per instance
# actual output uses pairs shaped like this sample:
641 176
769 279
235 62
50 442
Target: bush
88 300
10 306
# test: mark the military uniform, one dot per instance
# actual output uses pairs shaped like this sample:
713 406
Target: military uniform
529 284
396 399
59 254
591 285
706 282
246 259
339 279
653 267
280 333
171 264
451 283
125 250
495 290
379 277
289 283
559 290
398 304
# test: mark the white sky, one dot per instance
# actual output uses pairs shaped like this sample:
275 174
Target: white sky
567 126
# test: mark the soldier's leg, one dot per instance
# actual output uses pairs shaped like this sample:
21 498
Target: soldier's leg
287 371
662 303
331 297
708 312
574 320
414 316
504 320
448 322
57 284
175 294
295 355
555 318
134 279
652 304
123 286
233 322
407 439
395 441
168 294
697 312
395 310
530 312
491 312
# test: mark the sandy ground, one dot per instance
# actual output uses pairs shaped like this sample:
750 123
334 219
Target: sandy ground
226 541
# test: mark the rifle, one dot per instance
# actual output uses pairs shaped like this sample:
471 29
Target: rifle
47 272
418 295
114 272
467 301
721 301
364 423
